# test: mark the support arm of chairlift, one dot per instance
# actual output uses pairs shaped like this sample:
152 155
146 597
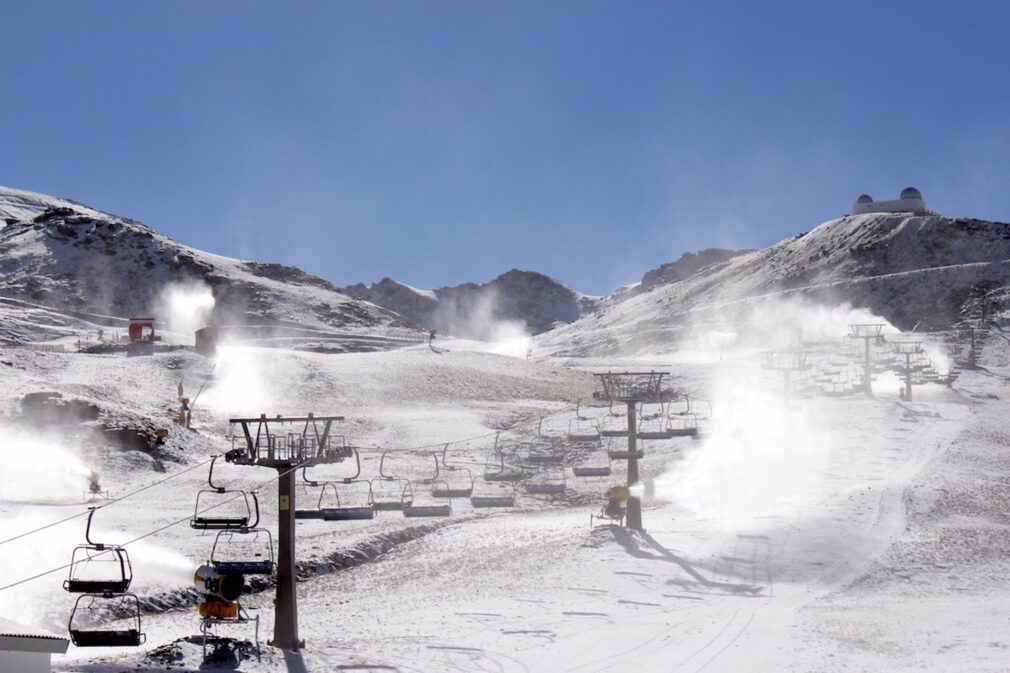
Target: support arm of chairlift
87 531
210 477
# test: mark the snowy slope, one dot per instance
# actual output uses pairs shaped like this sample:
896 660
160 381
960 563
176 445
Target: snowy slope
911 270
537 301
61 256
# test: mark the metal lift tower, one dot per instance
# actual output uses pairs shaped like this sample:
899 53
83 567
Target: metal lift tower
286 452
908 349
868 333
786 361
632 388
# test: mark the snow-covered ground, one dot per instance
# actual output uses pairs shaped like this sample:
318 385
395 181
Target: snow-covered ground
820 534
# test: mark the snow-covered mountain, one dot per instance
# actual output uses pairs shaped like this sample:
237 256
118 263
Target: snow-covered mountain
467 310
913 270
683 267
61 256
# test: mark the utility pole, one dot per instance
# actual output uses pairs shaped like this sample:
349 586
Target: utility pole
286 453
868 333
632 388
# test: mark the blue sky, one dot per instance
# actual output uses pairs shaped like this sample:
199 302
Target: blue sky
442 142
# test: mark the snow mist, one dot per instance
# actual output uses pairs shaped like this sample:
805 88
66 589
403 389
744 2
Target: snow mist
764 457
480 321
185 307
40 468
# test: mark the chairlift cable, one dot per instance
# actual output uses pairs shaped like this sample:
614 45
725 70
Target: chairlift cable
149 534
111 502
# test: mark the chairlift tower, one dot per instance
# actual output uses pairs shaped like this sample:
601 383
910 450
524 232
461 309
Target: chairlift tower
285 452
908 349
632 388
869 333
786 361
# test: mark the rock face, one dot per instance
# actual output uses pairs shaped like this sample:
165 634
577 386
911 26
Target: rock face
533 300
61 255
912 270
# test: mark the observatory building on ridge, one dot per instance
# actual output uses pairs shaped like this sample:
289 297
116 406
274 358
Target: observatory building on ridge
909 201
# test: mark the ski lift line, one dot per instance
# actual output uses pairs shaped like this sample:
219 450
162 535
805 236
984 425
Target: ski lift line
108 504
437 445
150 533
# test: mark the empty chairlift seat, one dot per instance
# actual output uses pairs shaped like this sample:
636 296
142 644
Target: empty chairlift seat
413 510
583 430
683 426
104 614
332 509
246 552
595 469
106 620
492 494
451 481
218 508
552 486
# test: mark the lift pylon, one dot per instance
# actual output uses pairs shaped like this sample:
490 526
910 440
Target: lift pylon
286 450
632 388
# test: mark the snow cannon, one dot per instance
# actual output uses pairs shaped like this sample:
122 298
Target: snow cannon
211 584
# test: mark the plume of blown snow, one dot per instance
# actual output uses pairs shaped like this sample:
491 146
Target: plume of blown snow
185 307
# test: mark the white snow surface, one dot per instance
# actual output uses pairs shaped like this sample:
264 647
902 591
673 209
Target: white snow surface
789 538
811 534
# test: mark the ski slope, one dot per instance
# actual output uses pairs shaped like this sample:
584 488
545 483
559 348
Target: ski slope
789 538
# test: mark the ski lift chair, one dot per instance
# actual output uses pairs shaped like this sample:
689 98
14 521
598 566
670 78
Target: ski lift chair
413 511
97 568
388 489
484 499
339 512
653 426
583 430
557 487
256 545
89 623
684 426
352 512
502 473
624 454
240 516
443 488
591 471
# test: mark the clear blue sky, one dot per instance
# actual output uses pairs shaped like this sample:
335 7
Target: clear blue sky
440 142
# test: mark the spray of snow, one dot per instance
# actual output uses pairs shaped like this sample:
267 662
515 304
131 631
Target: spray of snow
765 458
40 468
185 307
480 320
246 381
